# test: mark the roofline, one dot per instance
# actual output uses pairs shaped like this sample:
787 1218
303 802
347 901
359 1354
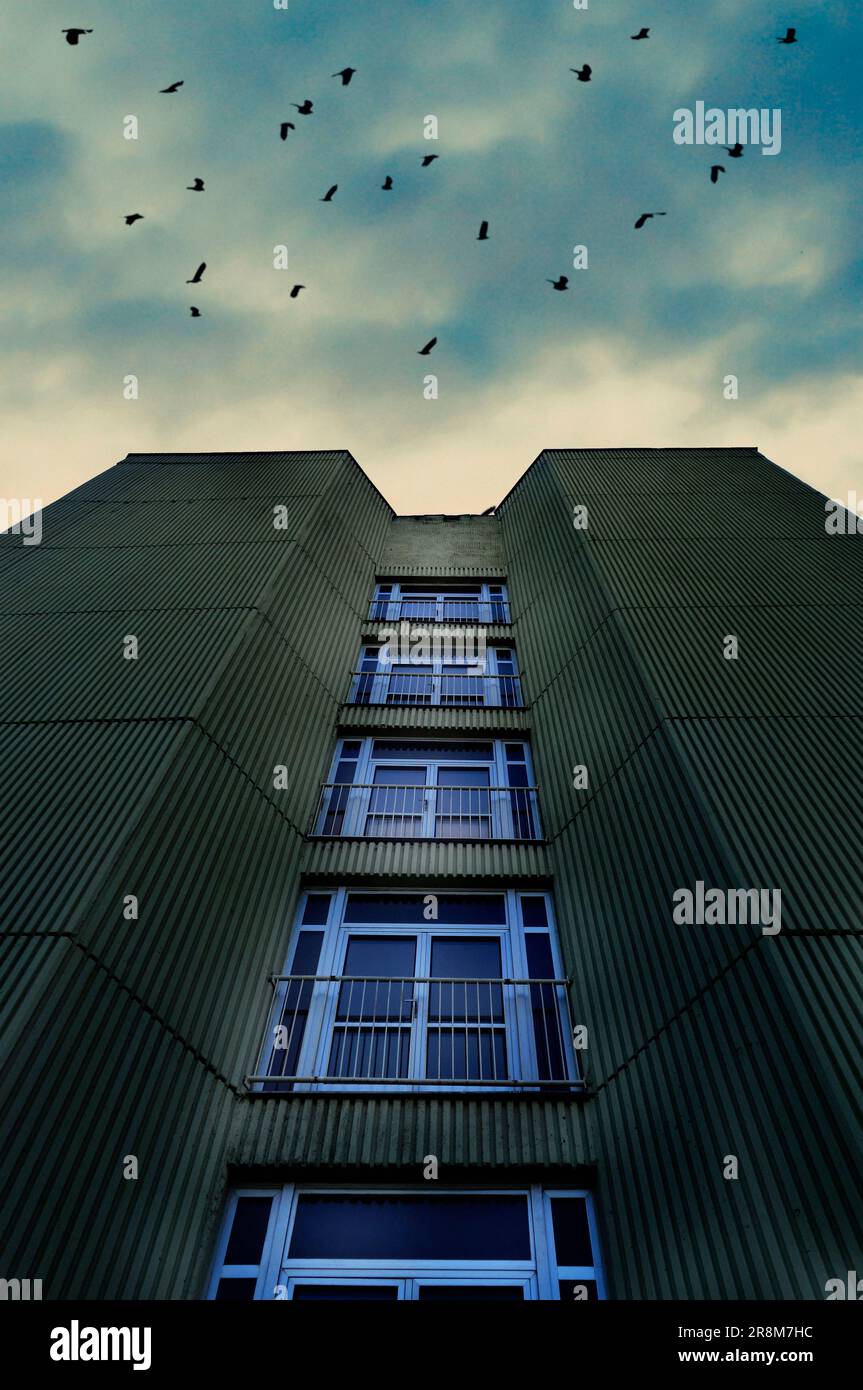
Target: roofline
247 453
639 448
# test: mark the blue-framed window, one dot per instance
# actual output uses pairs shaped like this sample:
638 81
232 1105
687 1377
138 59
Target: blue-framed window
420 991
409 788
494 683
509 1244
440 601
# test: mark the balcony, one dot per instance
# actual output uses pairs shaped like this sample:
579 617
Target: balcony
417 1033
385 810
439 610
399 687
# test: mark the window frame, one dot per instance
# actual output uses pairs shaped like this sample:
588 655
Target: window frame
354 804
375 681
491 592
321 1016
539 1275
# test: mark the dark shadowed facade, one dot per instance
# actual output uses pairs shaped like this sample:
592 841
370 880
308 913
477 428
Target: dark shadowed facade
370 968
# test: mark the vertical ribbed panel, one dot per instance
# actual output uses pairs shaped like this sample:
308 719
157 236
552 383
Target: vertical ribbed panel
704 1040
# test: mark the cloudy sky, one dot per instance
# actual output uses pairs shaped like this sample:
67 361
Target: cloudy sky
755 276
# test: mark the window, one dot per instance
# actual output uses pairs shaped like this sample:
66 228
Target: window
440 602
401 1243
423 789
448 991
492 683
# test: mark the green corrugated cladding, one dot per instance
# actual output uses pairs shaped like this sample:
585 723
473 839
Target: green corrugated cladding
155 778
704 1041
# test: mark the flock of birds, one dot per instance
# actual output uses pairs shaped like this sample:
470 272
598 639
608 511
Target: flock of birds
306 108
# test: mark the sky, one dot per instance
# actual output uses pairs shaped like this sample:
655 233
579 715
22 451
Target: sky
756 276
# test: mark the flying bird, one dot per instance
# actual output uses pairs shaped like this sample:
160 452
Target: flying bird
296 290
328 196
427 159
424 351
387 184
346 74
790 36
174 87
735 151
715 171
482 235
196 313
73 35
583 74
133 217
642 34
644 216
306 108
285 127
196 187
198 275
561 283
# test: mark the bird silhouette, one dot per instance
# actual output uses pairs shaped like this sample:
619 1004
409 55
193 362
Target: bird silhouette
198 275
296 290
306 108
346 74
790 36
387 184
285 127
174 87
735 151
583 74
482 235
196 313
73 35
561 283
642 34
328 196
424 351
133 217
644 216
715 171
427 159
196 187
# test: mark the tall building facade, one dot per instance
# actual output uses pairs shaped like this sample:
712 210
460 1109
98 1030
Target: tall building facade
440 907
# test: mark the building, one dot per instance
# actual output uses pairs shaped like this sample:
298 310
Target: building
328 975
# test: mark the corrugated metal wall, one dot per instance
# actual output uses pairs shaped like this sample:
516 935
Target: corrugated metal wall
704 1041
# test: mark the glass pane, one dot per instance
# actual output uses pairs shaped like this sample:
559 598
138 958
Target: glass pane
470 1293
376 997
545 1009
454 909
571 1231
248 1231
432 752
316 910
375 1053
395 1226
534 912
457 1052
295 1010
396 801
366 1293
236 1290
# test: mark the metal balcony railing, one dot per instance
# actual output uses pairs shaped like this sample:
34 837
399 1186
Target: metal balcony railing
433 610
399 687
405 1031
388 811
